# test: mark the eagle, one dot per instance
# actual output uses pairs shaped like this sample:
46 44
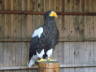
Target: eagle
44 39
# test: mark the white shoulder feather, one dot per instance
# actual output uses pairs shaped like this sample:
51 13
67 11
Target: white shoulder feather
38 32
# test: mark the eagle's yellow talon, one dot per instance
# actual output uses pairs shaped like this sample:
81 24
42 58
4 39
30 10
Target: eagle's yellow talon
42 60
50 59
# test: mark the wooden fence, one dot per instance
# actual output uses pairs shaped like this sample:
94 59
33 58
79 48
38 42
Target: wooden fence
77 41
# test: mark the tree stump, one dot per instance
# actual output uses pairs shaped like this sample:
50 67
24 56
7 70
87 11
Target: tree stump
48 67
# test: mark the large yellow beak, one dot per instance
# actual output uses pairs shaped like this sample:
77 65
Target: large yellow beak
53 14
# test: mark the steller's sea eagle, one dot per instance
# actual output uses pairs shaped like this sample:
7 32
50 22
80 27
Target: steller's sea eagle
44 39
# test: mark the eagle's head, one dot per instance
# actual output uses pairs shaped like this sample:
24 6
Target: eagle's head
50 14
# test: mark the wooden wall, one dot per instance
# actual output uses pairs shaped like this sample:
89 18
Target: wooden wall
77 46
77 56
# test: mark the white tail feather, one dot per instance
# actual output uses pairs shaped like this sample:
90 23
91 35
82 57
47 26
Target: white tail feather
32 61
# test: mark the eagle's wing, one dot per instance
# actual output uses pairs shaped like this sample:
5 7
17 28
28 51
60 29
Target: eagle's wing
35 45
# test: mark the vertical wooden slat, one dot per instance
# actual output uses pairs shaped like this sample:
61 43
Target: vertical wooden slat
58 5
2 21
46 5
1 55
13 49
12 20
29 18
16 20
7 20
24 48
94 25
6 54
18 54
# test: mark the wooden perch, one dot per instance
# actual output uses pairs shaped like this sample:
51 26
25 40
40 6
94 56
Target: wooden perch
48 67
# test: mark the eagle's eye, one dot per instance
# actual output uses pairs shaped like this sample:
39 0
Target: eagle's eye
53 14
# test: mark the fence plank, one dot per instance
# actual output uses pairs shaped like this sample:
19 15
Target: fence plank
14 54
76 53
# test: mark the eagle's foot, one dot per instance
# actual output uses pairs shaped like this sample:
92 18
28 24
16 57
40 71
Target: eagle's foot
42 60
50 59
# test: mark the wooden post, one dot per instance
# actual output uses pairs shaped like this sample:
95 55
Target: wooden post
48 67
